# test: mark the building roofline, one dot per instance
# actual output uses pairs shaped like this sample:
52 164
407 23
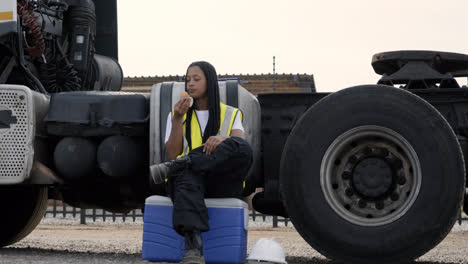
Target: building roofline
262 76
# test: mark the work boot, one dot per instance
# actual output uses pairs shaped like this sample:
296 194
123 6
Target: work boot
160 172
193 248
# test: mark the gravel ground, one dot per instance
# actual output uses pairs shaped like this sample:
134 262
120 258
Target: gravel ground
66 241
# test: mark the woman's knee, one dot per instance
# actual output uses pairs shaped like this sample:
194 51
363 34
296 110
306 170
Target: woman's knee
239 145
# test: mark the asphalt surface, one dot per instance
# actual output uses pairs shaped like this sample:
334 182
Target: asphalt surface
121 243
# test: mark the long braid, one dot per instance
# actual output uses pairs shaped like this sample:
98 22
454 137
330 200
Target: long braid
212 89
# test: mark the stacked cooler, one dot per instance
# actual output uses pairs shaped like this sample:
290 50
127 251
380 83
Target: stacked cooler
226 242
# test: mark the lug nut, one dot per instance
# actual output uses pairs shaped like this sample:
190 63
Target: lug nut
353 159
401 180
395 197
362 203
367 150
381 152
379 205
398 163
346 175
349 192
384 152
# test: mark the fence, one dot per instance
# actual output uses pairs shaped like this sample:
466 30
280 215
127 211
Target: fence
461 218
57 209
60 209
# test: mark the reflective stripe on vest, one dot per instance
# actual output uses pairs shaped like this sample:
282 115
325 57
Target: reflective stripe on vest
228 115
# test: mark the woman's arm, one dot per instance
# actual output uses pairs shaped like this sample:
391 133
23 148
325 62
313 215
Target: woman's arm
175 144
237 133
213 142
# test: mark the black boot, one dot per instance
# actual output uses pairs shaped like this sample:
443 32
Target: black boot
160 172
193 248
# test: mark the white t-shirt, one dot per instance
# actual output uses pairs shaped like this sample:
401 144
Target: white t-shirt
202 116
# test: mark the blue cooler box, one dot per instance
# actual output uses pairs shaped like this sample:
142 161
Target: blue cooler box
226 242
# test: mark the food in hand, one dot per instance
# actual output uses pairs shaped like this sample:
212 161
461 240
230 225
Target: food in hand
185 94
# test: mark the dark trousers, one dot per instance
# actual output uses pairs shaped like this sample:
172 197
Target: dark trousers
218 175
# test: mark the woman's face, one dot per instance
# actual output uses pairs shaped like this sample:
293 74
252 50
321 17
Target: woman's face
196 82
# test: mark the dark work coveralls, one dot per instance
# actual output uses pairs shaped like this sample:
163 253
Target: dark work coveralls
218 175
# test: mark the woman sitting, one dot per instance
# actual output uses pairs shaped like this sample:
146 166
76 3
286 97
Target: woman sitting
210 158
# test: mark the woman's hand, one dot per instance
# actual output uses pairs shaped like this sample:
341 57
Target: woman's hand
212 143
181 108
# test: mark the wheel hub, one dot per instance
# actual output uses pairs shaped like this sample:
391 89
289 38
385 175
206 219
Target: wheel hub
372 177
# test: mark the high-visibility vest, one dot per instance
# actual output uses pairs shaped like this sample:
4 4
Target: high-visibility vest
228 115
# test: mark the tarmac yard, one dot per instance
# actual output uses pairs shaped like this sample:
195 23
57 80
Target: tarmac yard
121 243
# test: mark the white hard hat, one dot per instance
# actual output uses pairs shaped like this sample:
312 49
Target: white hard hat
266 250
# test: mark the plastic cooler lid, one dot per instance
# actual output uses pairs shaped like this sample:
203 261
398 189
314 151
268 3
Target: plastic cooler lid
210 202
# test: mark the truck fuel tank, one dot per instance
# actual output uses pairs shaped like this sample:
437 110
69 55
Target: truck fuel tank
97 114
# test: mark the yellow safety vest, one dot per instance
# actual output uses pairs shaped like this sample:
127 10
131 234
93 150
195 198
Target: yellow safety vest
228 115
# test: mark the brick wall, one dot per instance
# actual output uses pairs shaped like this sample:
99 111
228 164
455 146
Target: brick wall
256 83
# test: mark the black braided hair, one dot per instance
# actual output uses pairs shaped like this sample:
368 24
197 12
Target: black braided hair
212 90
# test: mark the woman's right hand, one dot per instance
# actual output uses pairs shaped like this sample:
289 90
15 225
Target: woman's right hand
181 108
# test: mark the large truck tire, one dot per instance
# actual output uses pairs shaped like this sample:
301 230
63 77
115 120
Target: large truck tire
22 207
372 174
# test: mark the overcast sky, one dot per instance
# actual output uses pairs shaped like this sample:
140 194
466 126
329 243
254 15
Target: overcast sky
334 40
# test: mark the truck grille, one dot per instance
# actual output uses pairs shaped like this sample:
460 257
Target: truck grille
16 133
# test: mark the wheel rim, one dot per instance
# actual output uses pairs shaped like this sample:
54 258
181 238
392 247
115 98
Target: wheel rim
370 175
